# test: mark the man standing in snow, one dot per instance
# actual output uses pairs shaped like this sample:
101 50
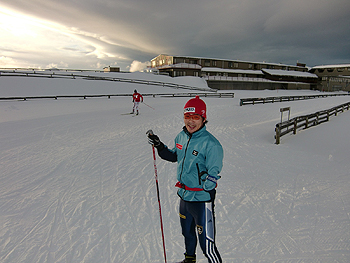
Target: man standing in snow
136 98
199 156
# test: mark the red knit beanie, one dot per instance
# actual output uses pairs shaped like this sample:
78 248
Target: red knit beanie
196 106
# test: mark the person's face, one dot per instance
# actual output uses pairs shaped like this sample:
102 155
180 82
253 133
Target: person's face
193 122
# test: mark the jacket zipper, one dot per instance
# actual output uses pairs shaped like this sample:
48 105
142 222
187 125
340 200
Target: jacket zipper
182 168
199 174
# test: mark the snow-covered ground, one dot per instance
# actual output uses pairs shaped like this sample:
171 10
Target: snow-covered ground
77 179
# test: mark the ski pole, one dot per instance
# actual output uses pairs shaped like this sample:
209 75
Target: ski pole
160 209
148 105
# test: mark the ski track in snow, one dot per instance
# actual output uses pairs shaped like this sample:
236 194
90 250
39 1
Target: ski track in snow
78 185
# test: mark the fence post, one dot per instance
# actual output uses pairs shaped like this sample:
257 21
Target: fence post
295 126
278 134
306 122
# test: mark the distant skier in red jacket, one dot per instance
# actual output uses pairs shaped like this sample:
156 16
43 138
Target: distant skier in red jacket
136 99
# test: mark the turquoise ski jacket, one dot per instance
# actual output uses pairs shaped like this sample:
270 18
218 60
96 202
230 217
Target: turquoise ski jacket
200 158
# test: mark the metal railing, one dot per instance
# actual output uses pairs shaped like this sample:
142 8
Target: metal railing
75 75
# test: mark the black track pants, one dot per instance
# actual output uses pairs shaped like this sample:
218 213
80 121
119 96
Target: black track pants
199 217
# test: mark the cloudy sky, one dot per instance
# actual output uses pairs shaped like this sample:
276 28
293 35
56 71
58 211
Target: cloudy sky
90 34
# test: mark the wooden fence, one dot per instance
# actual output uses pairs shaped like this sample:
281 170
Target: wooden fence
217 95
246 101
307 121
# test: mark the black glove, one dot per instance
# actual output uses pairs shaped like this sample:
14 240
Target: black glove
208 184
154 140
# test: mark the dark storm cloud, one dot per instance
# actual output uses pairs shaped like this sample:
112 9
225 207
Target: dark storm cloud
313 31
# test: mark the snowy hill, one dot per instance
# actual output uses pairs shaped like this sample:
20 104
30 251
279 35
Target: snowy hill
77 178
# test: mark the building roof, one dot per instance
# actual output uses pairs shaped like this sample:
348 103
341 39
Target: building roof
332 66
291 73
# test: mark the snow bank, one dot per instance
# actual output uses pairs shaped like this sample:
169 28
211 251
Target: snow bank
77 179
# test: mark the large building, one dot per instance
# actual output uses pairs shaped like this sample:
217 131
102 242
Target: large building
237 74
333 77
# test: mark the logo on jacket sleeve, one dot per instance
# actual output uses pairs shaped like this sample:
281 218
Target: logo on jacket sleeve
179 146
195 153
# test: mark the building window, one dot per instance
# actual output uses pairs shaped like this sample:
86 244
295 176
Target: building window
235 65
207 63
178 60
179 73
250 66
214 63
230 64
